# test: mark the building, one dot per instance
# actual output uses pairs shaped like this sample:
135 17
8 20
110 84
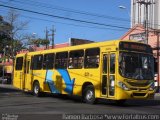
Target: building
139 13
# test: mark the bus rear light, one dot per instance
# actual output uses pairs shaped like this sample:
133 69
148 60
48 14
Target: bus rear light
123 86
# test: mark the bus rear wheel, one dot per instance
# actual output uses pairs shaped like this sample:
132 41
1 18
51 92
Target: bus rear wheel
36 89
89 95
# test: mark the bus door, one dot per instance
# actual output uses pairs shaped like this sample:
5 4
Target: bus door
28 74
19 72
108 75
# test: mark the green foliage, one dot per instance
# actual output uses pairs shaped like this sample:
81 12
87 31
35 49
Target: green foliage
5 39
38 42
18 45
11 34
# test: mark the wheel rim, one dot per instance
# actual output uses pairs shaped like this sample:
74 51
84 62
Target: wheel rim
89 95
36 89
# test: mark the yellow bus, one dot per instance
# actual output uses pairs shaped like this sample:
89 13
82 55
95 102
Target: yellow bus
116 70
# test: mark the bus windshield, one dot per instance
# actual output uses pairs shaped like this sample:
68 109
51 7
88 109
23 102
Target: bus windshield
136 66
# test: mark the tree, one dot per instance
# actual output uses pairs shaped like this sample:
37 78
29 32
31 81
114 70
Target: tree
16 31
4 34
39 41
45 42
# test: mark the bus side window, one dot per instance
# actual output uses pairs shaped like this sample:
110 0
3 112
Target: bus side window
37 62
28 63
112 63
48 61
92 58
19 63
76 59
105 64
61 60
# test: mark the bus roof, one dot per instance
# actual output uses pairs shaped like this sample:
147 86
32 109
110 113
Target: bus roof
89 45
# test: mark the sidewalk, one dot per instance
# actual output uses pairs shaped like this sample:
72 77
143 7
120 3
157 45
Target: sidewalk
7 86
157 94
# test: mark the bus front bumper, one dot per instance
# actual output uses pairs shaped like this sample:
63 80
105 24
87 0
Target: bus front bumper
136 94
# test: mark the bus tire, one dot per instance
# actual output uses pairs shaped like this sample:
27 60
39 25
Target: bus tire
36 89
89 94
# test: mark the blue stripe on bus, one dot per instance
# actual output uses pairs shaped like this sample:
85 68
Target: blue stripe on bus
50 81
69 83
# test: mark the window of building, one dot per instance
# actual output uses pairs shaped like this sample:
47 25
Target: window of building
76 59
92 58
19 63
61 60
48 61
37 62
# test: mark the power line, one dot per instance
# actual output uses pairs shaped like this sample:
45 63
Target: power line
65 18
78 25
74 11
75 25
76 20
40 4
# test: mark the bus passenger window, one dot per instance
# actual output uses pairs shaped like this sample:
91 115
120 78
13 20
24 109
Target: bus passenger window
61 60
19 63
48 61
76 59
105 64
28 63
112 63
37 62
92 58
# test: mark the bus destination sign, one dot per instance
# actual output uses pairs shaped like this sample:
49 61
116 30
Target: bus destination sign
139 47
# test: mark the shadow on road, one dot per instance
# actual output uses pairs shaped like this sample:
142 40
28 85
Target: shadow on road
128 103
8 89
77 99
142 103
131 103
68 98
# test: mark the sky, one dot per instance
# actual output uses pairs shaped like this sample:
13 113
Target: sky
95 20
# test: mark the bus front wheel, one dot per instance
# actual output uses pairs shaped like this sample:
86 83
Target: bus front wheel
36 89
89 95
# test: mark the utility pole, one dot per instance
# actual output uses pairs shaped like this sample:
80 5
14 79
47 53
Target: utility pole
146 4
4 60
13 52
53 33
46 36
158 82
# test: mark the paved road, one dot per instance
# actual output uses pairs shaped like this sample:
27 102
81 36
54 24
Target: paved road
16 104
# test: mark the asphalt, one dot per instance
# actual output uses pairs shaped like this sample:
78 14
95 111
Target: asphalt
7 88
15 104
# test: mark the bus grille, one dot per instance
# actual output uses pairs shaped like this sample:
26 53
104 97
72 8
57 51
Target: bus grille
139 94
138 89
139 84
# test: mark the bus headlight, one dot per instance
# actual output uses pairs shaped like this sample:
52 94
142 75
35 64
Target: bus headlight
152 86
123 86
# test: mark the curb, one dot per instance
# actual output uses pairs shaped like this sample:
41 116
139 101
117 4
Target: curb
157 94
